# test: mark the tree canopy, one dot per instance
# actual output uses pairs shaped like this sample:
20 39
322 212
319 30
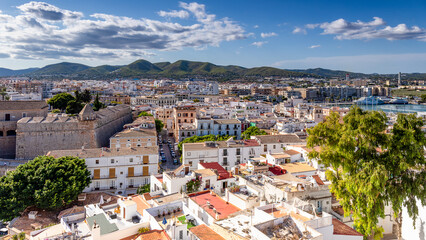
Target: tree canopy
86 96
252 131
60 101
159 125
372 167
143 113
45 182
97 105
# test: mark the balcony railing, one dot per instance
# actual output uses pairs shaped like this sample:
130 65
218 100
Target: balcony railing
136 175
104 177
104 188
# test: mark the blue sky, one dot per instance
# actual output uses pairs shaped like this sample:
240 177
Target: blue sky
361 36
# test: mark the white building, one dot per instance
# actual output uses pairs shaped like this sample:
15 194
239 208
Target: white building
276 143
116 169
228 153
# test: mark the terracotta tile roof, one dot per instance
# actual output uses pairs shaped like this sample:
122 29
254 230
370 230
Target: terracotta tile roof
147 196
71 211
292 152
251 143
104 152
150 235
221 172
339 210
343 229
222 208
205 233
140 203
297 167
22 105
318 179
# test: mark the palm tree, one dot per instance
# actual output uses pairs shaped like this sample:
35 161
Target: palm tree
3 93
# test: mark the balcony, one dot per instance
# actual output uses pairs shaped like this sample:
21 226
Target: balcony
104 177
103 188
136 175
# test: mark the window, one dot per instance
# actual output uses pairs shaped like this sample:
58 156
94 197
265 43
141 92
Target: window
180 234
225 161
7 117
24 115
11 133
1 134
265 148
274 146
192 114
238 151
190 163
225 152
97 161
188 154
112 160
131 159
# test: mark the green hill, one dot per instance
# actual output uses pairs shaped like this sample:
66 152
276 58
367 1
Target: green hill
270 71
327 73
64 68
5 72
138 67
100 70
162 65
183 67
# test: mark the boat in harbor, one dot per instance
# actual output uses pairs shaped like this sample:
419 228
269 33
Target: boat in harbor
369 101
399 101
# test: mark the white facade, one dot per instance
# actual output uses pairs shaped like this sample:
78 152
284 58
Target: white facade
227 153
123 177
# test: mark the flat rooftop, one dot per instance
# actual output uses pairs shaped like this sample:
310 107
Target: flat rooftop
297 167
223 208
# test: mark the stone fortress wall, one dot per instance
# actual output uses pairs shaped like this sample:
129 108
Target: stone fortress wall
39 135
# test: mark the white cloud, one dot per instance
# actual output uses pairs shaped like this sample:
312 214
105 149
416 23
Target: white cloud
178 14
299 30
44 31
266 35
256 26
259 44
48 12
315 46
375 29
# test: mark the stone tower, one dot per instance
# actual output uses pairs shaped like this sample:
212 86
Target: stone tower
87 114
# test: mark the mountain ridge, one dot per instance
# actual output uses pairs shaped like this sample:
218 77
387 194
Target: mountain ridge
181 68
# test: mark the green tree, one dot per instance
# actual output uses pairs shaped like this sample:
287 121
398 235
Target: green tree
144 189
3 93
159 125
77 96
60 101
372 168
252 131
45 182
423 98
143 113
86 96
97 105
196 100
74 107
